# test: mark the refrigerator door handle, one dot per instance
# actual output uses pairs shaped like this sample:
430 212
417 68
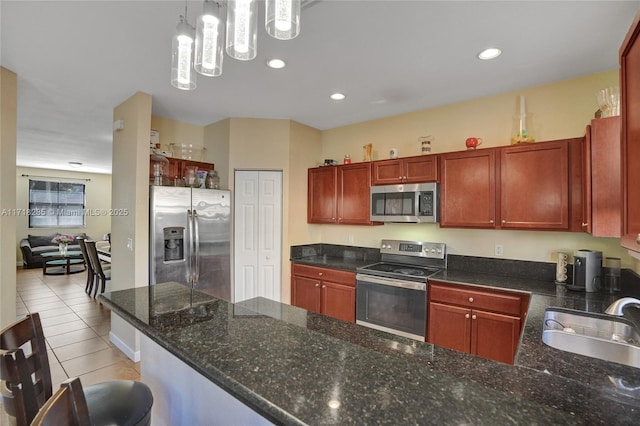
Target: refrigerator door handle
196 254
190 226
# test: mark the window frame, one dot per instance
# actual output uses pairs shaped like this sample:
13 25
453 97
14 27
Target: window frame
56 203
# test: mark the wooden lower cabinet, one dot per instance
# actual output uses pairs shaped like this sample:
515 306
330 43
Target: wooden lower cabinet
325 291
479 322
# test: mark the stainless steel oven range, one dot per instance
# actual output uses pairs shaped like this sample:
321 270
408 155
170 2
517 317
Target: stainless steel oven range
391 295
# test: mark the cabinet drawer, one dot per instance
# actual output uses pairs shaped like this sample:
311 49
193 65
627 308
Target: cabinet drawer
325 274
462 296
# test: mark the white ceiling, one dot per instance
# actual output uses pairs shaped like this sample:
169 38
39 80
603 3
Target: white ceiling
76 61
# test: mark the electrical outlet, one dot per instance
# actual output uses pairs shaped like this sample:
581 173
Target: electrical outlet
499 250
130 244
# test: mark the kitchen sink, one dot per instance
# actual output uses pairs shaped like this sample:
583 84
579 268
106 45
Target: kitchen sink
601 336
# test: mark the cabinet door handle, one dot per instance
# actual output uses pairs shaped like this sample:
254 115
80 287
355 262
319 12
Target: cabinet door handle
400 177
324 286
474 317
584 224
466 316
317 285
504 221
319 274
471 299
491 221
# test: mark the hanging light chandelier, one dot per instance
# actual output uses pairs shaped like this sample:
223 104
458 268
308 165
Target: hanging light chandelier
203 54
182 75
209 40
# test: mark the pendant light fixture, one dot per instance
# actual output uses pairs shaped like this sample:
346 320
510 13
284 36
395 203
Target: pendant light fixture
242 29
203 53
209 40
282 18
182 75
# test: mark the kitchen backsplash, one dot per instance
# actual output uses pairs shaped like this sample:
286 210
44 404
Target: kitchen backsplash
336 251
542 271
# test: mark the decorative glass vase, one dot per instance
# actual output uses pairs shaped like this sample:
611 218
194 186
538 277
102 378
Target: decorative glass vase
63 249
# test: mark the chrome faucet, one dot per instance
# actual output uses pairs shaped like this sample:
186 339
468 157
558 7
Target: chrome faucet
618 306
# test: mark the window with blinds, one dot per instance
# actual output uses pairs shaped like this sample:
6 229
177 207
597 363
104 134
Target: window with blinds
56 204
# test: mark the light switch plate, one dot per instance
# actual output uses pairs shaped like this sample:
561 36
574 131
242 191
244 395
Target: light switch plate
130 244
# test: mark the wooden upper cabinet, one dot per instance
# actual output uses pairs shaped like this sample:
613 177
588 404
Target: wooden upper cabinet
353 194
602 209
340 194
322 195
630 116
528 186
468 189
423 168
535 186
177 167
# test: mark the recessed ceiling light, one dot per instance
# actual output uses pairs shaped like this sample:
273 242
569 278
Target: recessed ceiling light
276 63
75 163
490 53
338 97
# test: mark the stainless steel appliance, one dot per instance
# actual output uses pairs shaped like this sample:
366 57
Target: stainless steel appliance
418 202
587 271
190 233
391 295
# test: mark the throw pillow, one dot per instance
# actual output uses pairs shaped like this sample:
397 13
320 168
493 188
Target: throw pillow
40 240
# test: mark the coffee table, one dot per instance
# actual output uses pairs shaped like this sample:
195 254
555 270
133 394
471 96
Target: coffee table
54 263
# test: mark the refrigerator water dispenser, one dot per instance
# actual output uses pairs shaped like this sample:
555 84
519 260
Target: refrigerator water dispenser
173 243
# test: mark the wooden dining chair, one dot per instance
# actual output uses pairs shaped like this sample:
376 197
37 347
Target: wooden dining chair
91 276
101 274
26 382
66 407
16 387
20 400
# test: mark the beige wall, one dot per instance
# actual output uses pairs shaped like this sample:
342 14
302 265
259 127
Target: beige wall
263 144
248 143
8 114
130 191
559 110
216 141
98 200
180 132
306 148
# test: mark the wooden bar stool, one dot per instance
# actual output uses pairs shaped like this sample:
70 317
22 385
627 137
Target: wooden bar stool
26 382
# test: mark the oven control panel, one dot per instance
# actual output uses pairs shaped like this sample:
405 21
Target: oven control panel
414 248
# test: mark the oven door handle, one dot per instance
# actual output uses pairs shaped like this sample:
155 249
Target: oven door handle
412 285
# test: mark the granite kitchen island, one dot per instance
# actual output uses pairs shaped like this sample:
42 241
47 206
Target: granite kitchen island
291 366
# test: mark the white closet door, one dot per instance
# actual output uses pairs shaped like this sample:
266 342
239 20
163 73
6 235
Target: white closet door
258 235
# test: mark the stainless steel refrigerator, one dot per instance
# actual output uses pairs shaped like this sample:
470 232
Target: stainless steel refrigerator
190 233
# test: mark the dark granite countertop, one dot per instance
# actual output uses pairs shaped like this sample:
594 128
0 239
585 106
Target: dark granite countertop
297 367
346 258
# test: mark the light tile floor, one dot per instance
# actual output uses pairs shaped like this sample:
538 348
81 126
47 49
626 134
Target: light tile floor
76 327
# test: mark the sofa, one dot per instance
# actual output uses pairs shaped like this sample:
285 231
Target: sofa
34 245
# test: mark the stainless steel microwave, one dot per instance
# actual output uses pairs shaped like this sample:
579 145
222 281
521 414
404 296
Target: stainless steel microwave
416 202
